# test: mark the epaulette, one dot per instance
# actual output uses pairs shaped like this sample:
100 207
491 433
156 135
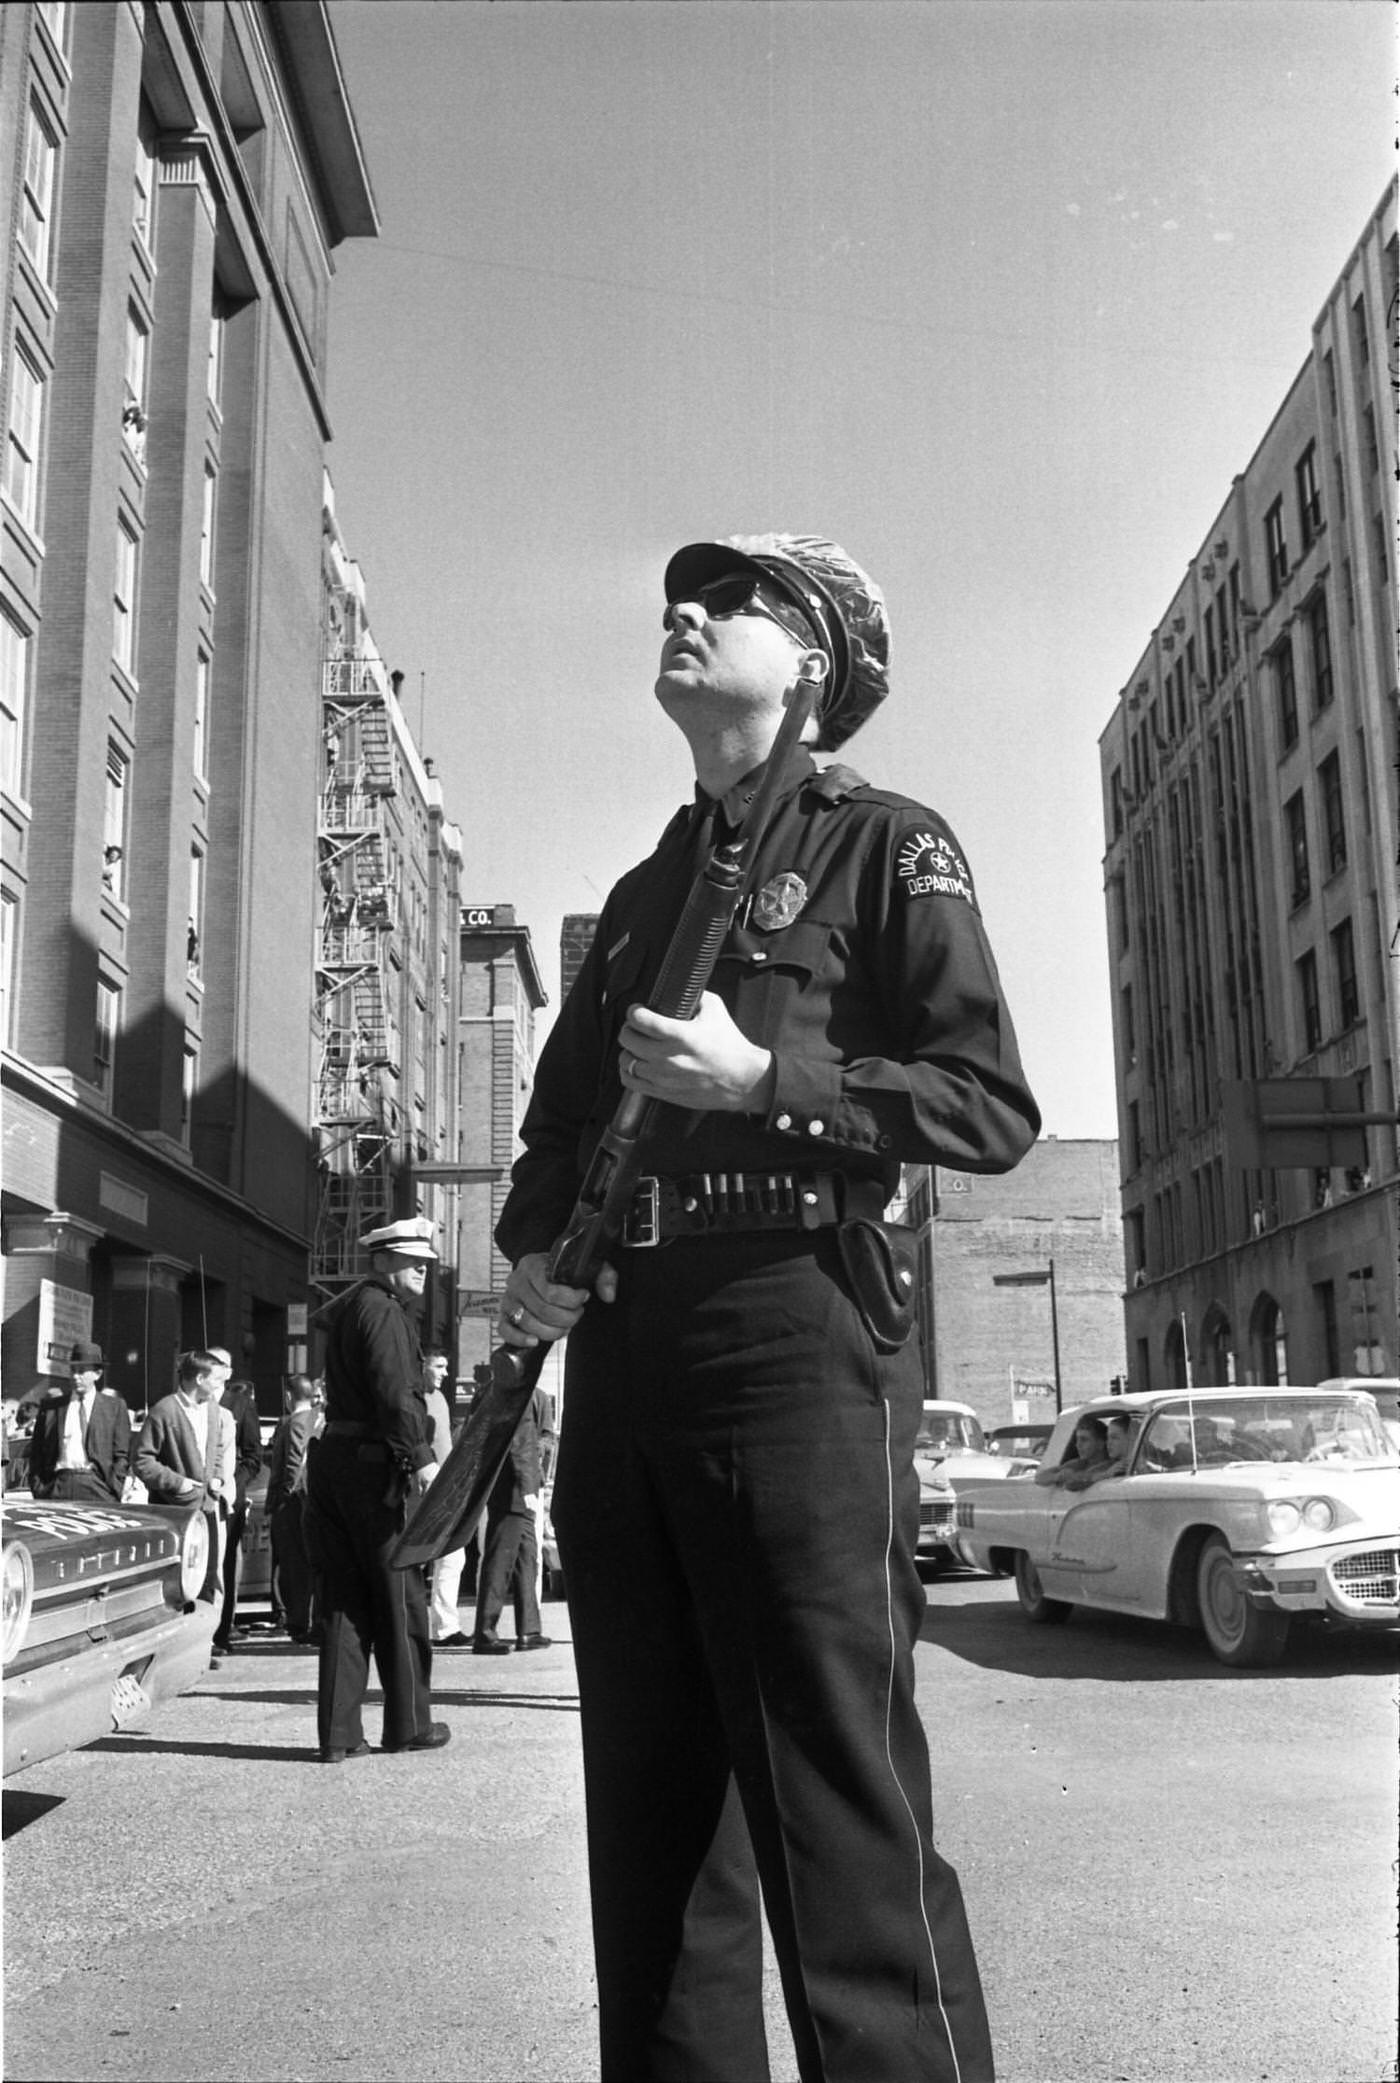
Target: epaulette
836 782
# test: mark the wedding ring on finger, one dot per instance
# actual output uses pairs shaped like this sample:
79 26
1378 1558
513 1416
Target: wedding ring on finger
516 1316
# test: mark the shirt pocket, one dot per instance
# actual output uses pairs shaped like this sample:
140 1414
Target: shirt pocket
768 978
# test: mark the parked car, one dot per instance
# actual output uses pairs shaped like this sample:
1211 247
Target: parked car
1019 1442
100 1620
1237 1511
1386 1391
951 1441
938 1515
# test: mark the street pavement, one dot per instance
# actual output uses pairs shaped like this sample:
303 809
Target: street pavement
1176 1873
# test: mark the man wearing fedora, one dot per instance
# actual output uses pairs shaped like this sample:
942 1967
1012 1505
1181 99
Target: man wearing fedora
735 1499
81 1447
374 1455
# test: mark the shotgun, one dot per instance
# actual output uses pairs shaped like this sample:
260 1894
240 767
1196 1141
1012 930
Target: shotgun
446 1515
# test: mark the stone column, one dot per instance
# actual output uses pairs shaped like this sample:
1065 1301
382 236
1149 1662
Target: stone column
55 1248
145 1326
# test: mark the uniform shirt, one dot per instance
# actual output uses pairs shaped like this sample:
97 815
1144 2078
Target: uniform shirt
859 959
374 1371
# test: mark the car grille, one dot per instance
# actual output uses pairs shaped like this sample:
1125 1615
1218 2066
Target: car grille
1372 1577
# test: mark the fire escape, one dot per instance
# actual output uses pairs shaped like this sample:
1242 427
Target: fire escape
358 1117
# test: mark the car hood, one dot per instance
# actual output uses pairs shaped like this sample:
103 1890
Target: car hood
83 1544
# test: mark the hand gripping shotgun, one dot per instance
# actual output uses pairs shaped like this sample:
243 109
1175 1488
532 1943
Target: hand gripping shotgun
446 1515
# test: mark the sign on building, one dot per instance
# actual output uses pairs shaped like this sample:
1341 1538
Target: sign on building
65 1316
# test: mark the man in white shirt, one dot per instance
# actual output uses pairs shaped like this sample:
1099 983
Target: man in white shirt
82 1439
186 1453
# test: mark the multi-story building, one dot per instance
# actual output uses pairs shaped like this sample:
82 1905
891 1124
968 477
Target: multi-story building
1250 800
384 1105
1019 1291
575 939
501 993
179 177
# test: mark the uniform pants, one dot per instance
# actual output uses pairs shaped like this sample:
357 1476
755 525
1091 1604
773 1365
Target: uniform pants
508 1571
367 1606
737 1512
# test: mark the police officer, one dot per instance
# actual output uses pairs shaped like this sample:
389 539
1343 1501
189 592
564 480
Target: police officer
374 1453
735 1498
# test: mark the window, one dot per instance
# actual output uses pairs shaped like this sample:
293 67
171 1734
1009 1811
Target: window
1320 638
54 15
216 356
1373 447
1275 548
1344 975
1378 531
143 206
1295 820
36 202
107 1027
1329 780
1208 628
194 934
134 384
189 1085
9 941
1309 497
21 482
14 700
1360 337
1287 693
1339 479
206 527
114 837
201 718
1329 369
124 600
1308 1001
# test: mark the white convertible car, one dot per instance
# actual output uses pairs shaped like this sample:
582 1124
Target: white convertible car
1228 1509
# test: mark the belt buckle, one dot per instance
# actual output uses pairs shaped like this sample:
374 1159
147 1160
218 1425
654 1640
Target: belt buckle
641 1228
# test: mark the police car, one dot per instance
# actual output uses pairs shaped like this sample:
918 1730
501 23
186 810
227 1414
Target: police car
100 1620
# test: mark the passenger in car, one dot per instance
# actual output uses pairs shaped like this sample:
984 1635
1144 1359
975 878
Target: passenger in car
1118 1442
1074 1472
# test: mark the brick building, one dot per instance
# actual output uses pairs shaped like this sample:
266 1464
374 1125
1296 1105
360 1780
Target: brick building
180 178
989 1334
1250 802
575 939
501 993
384 1106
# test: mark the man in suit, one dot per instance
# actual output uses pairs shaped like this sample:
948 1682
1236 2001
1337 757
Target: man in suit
82 1439
239 1401
186 1455
286 1493
508 1563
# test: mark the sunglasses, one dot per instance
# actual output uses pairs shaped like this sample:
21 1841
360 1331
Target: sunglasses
744 594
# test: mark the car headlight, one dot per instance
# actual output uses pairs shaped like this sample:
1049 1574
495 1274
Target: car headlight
19 1596
194 1556
1287 1514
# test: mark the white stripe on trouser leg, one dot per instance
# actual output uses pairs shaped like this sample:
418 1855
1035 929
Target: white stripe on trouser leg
889 1755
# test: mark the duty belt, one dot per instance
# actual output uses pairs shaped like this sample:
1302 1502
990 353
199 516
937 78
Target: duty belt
707 1204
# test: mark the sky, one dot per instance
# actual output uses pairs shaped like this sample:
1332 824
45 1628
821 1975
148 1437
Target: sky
998 294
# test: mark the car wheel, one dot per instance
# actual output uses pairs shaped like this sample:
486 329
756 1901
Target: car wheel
1238 1632
1046 1612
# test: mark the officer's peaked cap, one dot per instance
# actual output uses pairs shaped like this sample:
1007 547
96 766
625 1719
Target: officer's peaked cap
412 1237
842 601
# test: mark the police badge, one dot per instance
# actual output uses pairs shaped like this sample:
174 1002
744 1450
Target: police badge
778 903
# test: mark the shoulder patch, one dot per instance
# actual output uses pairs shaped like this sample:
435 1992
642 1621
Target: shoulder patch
927 864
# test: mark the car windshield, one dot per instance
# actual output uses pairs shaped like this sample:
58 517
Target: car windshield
1306 1426
949 1432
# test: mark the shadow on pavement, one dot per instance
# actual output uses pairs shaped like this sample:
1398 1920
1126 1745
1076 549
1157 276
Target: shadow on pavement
20 1810
998 1637
260 1753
